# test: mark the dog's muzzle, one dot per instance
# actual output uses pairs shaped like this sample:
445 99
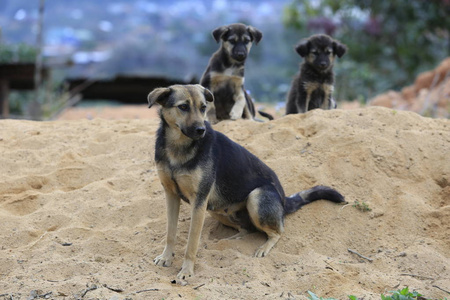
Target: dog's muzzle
195 132
239 53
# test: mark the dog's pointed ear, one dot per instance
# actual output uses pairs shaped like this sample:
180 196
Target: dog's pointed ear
339 49
158 95
303 48
209 97
219 32
255 34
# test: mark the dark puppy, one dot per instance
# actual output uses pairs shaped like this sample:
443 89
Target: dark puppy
224 75
313 87
206 169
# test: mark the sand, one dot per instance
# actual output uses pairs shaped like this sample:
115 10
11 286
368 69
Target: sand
82 211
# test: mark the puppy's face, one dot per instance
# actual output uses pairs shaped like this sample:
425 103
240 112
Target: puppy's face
183 108
237 40
320 51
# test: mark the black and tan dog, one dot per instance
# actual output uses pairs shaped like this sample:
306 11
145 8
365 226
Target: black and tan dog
224 75
212 173
313 87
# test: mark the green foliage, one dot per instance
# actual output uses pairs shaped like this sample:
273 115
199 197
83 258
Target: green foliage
362 206
403 294
313 296
17 53
389 42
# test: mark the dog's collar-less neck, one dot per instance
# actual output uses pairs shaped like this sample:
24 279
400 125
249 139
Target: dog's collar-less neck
228 62
178 149
325 75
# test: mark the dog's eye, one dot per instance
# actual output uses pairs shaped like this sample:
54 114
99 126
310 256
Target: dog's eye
203 109
183 107
328 52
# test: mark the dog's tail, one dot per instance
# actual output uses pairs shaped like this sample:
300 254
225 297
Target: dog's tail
266 115
296 201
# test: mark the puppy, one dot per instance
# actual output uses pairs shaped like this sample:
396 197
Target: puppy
313 87
224 75
206 169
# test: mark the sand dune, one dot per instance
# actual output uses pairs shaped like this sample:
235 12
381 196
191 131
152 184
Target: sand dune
81 207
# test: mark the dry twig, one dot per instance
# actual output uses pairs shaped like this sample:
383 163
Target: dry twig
199 286
417 276
441 289
147 290
360 255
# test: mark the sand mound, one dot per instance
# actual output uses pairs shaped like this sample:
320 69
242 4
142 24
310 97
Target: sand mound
81 207
429 95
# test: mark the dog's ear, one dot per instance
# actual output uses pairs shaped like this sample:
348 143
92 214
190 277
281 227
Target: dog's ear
255 34
339 49
158 95
207 93
303 48
219 32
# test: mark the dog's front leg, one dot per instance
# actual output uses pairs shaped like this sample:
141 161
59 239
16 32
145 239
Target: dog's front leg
195 230
173 210
238 107
327 99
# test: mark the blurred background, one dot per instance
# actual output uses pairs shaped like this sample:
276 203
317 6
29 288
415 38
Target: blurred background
73 45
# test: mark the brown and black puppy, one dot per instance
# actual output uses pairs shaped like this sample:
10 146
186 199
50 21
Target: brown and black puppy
224 75
203 167
313 86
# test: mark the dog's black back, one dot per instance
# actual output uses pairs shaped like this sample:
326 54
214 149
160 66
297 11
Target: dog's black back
235 171
313 87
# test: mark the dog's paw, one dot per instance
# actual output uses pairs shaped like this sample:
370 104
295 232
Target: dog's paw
263 250
163 260
187 270
236 113
234 116
260 252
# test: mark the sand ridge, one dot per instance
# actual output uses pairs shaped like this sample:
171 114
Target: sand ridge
81 206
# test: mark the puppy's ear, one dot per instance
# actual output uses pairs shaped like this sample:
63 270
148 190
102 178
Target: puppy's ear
219 32
303 48
207 93
255 34
339 49
158 95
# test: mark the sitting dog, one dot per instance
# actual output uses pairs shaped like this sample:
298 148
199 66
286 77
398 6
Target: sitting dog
206 169
313 87
224 75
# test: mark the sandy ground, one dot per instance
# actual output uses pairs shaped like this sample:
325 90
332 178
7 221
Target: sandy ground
82 211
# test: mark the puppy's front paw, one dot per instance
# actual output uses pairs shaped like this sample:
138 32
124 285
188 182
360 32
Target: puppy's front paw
164 260
234 116
187 270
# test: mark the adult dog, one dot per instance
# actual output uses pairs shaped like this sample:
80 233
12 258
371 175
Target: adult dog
224 75
313 87
212 173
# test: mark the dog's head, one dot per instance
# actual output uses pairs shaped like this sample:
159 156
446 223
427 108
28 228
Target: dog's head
320 51
183 107
237 39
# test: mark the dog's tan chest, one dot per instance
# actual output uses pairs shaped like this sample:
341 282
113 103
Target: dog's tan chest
229 77
310 87
180 181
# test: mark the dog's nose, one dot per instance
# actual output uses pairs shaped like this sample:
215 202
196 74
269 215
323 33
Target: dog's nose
240 55
323 63
200 130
